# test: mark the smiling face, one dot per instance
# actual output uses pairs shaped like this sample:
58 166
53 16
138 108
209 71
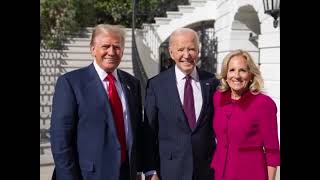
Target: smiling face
184 51
238 75
107 50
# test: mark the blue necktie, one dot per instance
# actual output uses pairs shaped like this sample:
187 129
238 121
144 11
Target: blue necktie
188 103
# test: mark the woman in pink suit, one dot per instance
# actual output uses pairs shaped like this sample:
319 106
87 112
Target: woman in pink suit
245 123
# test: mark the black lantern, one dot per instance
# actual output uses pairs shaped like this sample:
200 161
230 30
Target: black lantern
272 7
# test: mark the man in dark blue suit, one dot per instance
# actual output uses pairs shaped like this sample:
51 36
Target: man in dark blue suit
97 116
178 134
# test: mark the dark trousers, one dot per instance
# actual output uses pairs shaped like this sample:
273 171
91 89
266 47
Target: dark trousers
125 170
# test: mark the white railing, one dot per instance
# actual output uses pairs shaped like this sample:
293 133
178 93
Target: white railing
151 40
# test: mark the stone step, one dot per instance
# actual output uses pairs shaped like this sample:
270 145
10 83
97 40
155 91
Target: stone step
174 14
77 43
76 63
78 56
77 49
86 39
155 25
162 20
48 54
197 3
49 62
186 8
89 29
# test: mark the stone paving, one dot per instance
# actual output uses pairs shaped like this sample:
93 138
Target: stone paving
46 172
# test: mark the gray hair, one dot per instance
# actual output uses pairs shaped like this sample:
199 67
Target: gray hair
180 31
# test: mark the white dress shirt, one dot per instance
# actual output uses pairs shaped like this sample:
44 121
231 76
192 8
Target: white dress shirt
102 75
196 87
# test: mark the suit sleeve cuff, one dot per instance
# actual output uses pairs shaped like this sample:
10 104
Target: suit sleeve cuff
152 172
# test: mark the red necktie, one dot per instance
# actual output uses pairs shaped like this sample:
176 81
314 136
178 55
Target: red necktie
117 112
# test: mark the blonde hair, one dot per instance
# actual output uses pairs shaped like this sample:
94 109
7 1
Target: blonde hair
107 28
255 85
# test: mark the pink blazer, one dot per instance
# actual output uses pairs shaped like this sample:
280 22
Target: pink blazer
247 136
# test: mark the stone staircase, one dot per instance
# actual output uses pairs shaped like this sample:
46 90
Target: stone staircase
156 33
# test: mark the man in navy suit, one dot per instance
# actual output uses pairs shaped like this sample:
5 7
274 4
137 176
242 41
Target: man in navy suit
97 116
178 134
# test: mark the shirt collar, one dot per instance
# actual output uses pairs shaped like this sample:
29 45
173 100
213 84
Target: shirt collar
243 102
102 74
180 75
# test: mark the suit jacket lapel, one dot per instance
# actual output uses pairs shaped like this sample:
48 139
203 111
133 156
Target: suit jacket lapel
205 90
97 92
127 88
174 96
